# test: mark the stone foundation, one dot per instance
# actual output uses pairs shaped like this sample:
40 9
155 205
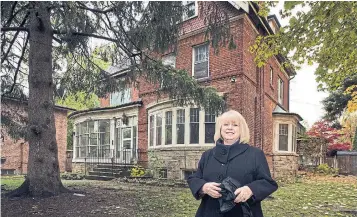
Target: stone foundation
285 166
78 167
178 159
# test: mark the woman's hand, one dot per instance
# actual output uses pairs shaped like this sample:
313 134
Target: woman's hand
212 189
243 194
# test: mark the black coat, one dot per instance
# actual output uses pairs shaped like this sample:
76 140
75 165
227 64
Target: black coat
240 161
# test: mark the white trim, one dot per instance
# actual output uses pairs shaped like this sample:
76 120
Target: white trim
162 109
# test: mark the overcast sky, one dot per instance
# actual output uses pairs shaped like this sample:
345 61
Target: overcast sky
304 97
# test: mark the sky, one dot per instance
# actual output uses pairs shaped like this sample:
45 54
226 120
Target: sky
305 100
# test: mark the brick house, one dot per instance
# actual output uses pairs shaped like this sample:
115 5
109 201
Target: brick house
179 135
14 154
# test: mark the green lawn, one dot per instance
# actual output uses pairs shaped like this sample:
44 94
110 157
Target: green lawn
305 198
314 196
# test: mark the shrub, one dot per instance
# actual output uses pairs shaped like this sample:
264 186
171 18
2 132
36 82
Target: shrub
72 176
137 171
325 169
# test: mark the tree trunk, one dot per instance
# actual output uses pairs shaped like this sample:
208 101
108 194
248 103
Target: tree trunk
43 170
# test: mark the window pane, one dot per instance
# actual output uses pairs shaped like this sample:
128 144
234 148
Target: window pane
201 70
84 128
104 126
84 140
209 132
283 143
283 137
92 151
90 126
194 125
126 133
151 130
120 97
127 144
104 139
82 151
168 128
94 139
158 129
180 126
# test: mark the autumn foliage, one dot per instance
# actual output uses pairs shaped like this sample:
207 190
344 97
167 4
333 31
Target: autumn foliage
335 138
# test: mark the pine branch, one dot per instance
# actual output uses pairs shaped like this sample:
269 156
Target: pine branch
82 6
11 14
18 67
15 36
8 22
13 29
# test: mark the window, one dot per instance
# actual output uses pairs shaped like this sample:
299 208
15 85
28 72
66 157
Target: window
194 125
190 9
168 128
169 60
280 91
180 126
200 55
158 129
271 75
163 173
93 139
283 137
151 130
7 171
121 97
210 124
293 139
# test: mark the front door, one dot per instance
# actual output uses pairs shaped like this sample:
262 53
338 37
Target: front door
126 144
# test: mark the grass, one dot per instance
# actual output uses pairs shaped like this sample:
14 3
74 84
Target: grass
311 196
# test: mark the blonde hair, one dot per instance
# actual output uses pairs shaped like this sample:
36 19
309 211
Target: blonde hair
232 116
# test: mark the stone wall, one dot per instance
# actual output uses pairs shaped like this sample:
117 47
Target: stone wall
78 167
285 165
179 159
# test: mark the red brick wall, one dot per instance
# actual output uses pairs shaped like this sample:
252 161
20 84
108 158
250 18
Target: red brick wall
105 101
16 152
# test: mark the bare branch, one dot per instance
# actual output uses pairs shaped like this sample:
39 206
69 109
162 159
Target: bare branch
18 67
8 29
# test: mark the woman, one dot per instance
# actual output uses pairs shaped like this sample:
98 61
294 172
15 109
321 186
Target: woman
232 157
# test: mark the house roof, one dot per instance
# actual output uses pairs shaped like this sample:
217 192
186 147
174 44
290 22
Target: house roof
280 111
138 103
25 101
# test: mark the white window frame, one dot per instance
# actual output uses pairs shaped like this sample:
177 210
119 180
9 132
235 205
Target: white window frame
162 112
185 3
290 124
194 60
